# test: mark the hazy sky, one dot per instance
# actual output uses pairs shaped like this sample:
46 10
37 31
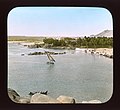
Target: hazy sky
58 21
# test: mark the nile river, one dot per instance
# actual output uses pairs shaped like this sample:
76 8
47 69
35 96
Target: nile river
77 74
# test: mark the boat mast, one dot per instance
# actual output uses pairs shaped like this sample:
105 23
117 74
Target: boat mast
49 56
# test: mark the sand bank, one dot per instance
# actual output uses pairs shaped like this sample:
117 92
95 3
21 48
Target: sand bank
107 52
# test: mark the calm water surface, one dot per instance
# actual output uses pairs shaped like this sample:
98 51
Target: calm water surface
80 75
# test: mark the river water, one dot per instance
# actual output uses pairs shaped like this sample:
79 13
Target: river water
77 74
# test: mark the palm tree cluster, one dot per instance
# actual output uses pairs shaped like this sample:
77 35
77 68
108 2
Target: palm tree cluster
85 42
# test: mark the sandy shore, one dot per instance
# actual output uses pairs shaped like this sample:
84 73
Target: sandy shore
107 52
16 41
25 43
102 51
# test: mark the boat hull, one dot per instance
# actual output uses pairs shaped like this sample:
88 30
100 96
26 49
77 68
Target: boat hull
50 62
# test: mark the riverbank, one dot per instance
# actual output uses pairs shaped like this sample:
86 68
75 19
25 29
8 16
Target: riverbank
107 52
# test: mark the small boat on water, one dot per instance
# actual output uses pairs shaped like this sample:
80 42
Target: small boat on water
51 59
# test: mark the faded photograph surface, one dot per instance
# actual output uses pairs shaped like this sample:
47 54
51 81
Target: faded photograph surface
60 55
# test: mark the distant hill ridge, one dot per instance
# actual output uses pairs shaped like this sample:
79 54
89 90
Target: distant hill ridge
105 33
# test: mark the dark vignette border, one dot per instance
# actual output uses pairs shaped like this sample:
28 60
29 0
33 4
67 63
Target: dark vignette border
7 5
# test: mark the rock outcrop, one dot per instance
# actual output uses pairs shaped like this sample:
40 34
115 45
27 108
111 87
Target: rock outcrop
41 98
43 53
13 95
66 99
24 100
38 97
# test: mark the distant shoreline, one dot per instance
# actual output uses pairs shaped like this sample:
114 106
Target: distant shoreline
15 41
32 43
107 52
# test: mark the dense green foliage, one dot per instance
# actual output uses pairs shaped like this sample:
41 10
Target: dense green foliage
86 42
54 42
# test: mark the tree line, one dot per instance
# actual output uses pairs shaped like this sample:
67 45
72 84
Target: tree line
85 42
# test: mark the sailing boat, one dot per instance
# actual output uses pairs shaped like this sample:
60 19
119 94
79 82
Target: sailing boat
51 59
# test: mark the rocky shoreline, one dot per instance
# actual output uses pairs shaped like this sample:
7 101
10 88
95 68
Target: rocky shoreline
106 52
38 97
44 53
43 98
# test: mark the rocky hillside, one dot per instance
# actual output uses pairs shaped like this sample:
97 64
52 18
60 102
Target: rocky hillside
105 33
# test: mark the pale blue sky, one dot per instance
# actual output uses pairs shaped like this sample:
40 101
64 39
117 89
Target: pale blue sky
58 21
